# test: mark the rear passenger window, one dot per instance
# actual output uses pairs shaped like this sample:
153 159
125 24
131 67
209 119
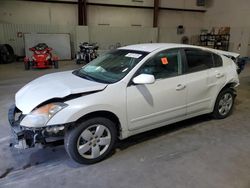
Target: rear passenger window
217 60
198 60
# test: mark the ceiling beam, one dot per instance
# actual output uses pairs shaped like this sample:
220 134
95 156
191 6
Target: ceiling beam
121 6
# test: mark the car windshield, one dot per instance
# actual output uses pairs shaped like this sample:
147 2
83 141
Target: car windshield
112 66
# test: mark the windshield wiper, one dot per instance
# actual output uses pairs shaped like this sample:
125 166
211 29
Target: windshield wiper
80 74
85 76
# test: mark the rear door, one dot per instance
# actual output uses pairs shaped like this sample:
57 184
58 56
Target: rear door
216 76
199 85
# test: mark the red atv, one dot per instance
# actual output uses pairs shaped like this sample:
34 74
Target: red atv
42 58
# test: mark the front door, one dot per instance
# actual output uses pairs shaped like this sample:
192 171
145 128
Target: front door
162 101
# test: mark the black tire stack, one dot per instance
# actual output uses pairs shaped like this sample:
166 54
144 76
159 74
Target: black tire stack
7 54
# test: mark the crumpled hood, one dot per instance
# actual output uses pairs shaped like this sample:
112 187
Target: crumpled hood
55 85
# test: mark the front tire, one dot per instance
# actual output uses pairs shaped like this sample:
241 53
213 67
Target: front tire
91 141
224 104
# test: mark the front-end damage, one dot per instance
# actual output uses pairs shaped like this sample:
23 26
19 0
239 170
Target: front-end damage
28 137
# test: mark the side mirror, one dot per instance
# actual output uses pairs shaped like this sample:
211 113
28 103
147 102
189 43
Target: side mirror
144 79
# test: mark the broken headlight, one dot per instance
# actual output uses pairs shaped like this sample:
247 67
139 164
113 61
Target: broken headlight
41 115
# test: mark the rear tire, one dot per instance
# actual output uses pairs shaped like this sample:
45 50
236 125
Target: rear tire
78 61
56 66
91 141
87 59
27 65
224 104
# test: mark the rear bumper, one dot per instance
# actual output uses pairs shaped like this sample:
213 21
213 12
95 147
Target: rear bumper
23 138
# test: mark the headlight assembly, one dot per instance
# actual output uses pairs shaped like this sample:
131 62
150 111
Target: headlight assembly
40 116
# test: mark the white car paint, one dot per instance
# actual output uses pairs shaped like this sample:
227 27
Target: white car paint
138 107
158 104
56 85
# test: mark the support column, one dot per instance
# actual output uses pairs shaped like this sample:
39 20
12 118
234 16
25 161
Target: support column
82 12
156 13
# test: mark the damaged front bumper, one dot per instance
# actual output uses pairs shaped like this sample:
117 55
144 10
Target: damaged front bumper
24 137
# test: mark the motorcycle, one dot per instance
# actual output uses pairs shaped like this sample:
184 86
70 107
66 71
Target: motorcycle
87 52
41 58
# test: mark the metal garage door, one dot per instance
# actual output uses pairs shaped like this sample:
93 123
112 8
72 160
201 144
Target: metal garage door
59 42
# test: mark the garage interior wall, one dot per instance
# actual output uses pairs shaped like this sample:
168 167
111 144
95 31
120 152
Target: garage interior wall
107 26
234 14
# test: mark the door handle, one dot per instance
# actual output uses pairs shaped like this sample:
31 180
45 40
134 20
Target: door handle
180 87
219 75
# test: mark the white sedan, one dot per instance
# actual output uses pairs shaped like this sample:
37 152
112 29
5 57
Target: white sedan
122 93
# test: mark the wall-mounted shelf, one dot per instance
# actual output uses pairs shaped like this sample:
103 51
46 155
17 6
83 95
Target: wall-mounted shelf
216 41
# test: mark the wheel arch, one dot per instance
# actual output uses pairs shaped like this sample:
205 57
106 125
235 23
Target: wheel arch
105 114
230 85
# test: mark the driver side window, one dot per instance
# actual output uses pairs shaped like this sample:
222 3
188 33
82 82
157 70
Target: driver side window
165 64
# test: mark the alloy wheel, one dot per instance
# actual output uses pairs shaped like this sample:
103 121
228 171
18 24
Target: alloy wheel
225 104
94 141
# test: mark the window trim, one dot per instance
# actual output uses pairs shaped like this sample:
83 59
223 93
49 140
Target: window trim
214 54
186 62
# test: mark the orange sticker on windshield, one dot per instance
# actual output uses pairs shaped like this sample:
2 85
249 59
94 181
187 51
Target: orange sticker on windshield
164 61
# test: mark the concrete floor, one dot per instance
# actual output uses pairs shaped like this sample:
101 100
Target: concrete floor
197 153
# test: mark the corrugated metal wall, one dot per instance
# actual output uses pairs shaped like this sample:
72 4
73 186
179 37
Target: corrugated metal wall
107 37
103 35
1 34
8 34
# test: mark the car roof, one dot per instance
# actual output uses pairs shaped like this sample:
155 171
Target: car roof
150 47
